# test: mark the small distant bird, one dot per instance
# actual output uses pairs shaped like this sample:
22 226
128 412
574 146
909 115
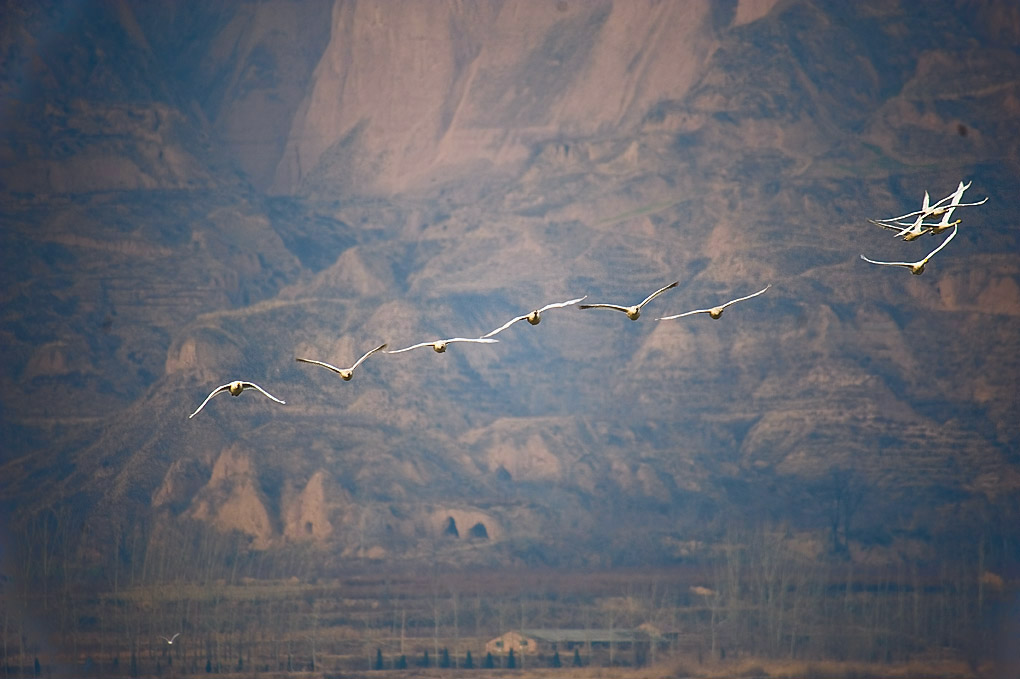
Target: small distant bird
716 311
633 312
535 317
439 346
917 268
345 373
235 388
171 639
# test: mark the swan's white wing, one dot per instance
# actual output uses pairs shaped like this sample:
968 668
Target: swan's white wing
558 305
926 208
362 359
322 363
604 306
741 299
480 340
916 227
686 313
413 346
252 385
504 326
952 234
658 292
897 226
208 398
174 637
872 261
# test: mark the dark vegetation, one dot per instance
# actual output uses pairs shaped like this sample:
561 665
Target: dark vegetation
753 594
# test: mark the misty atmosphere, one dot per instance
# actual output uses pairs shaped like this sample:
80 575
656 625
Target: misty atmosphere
325 350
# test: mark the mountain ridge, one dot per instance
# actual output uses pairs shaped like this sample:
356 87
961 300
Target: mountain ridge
176 225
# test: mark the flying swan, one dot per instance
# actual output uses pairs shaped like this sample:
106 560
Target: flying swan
535 317
911 230
345 373
633 312
716 311
917 268
235 388
439 346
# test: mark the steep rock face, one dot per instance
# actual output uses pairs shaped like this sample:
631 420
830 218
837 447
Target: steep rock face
437 169
406 92
230 500
305 514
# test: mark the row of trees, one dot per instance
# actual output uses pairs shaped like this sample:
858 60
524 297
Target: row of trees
467 661
755 592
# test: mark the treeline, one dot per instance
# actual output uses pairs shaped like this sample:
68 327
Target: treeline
756 593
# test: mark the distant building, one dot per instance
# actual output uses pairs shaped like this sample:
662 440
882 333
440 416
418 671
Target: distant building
547 641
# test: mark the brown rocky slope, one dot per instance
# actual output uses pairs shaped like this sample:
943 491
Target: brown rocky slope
416 172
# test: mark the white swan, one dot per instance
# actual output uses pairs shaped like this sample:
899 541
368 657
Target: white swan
917 268
439 346
345 373
716 311
633 312
235 388
535 317
911 230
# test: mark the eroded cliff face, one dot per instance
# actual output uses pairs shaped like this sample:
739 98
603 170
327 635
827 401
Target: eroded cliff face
406 94
196 195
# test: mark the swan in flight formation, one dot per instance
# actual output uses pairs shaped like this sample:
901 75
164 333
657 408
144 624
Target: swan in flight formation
911 230
716 311
535 317
345 373
917 268
633 312
439 346
235 388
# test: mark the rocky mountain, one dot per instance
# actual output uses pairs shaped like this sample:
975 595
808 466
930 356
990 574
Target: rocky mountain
197 193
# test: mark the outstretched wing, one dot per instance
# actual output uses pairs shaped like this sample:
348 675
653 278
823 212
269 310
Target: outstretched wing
952 234
479 340
558 305
741 299
208 398
322 363
686 313
504 326
367 354
917 227
252 385
872 261
617 307
658 292
413 346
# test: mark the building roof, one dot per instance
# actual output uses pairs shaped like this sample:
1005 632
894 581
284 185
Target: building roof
616 634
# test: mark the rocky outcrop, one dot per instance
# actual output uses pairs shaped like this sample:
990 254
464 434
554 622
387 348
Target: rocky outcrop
194 195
